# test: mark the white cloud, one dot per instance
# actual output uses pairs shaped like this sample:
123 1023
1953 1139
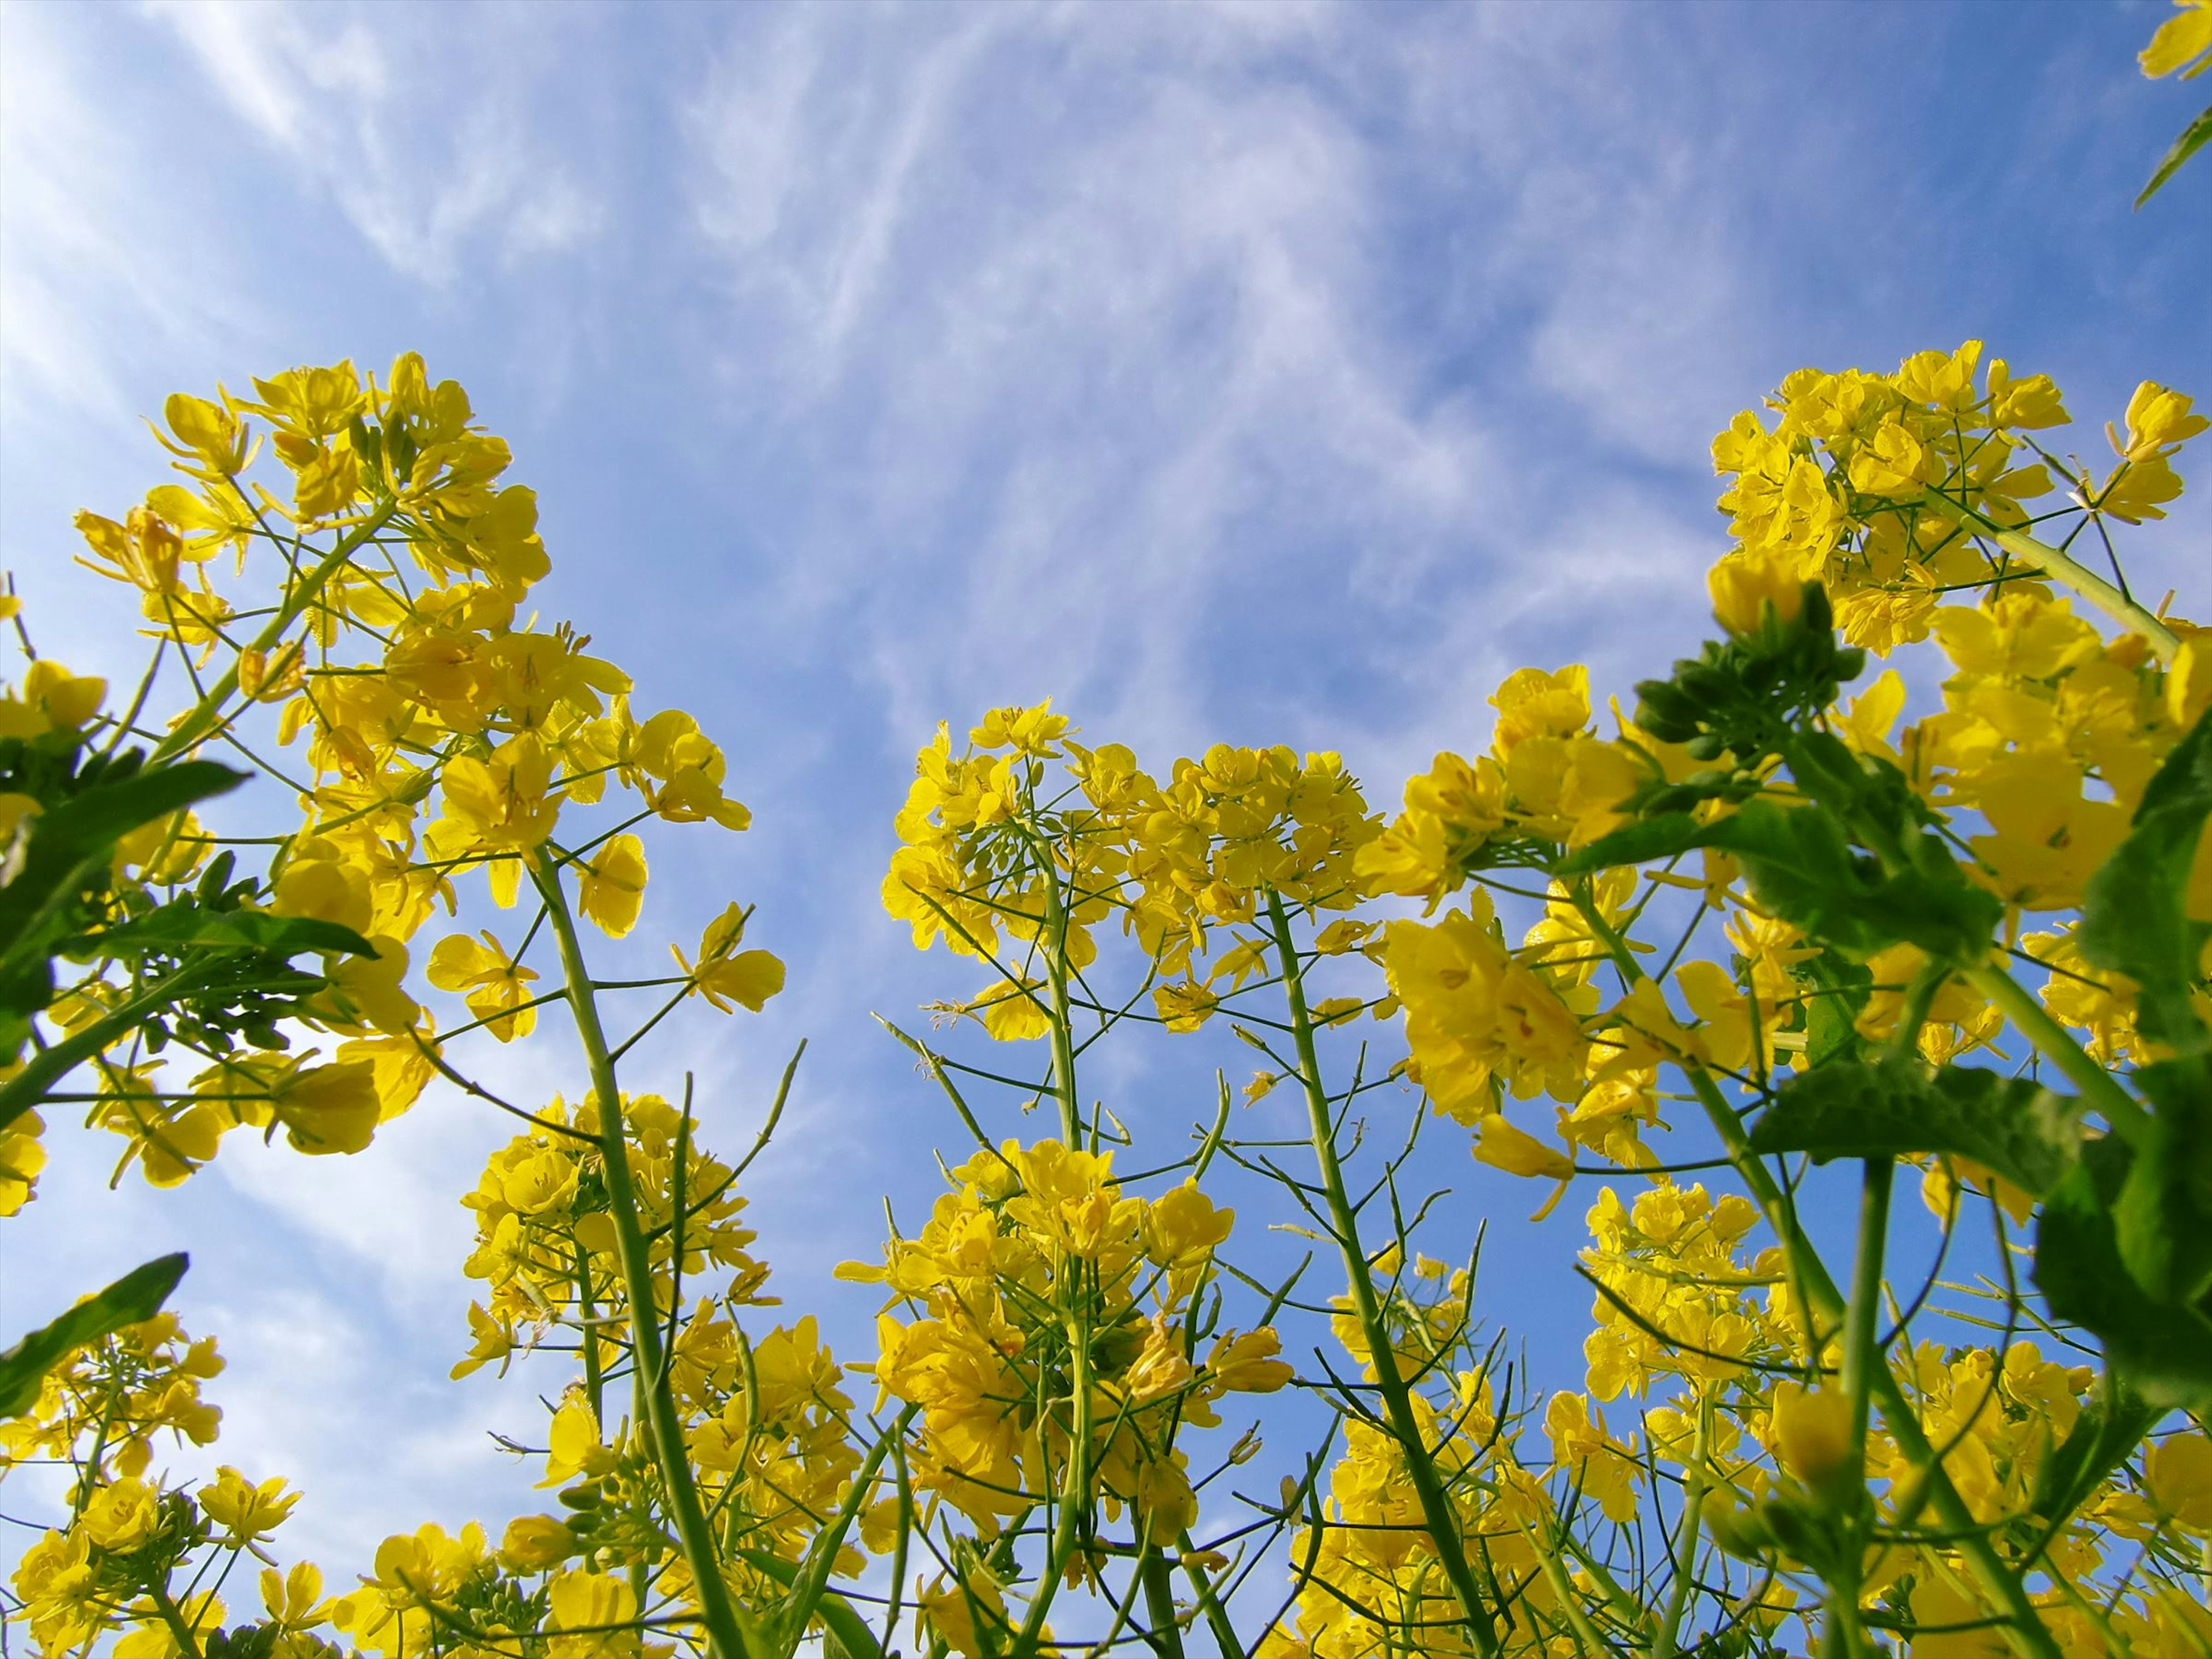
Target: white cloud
1121 341
430 130
85 246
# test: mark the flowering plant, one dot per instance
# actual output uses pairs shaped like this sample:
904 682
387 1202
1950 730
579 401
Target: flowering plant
1730 960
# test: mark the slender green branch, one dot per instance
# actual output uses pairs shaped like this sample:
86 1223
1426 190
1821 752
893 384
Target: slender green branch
1666 1644
725 1638
206 715
2065 570
2013 1000
1397 1398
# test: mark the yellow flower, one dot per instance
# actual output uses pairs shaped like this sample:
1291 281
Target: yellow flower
1743 587
612 888
246 1513
52 699
492 982
573 1444
1502 1147
123 1515
2183 41
501 799
329 1109
727 975
1012 1011
2180 1471
535 1542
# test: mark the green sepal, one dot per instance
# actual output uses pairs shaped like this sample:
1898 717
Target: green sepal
130 1300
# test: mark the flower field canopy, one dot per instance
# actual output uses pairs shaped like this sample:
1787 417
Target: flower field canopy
1908 868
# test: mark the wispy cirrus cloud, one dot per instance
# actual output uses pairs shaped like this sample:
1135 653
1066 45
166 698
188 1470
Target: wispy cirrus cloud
440 134
1128 344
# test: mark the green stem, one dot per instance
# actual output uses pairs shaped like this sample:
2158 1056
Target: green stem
1591 1645
1217 1617
180 1632
814 1576
2012 999
1861 1359
1063 1027
1664 1644
1075 1488
724 1636
204 716
1164 1634
2063 568
1824 1305
1397 1398
588 1333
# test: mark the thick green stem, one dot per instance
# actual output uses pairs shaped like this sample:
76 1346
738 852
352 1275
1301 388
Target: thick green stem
183 1635
1074 1487
1667 1641
2063 568
1164 1634
647 1356
1217 1616
1862 1358
205 716
2013 1000
1397 1398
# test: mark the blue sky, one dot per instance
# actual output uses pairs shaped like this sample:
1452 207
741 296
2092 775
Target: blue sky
1280 373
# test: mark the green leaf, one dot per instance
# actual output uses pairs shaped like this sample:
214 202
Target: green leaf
1801 866
2134 917
2164 1352
2013 1126
131 1299
66 851
2193 138
185 924
108 812
2162 1220
1832 1012
1663 836
2107 1429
